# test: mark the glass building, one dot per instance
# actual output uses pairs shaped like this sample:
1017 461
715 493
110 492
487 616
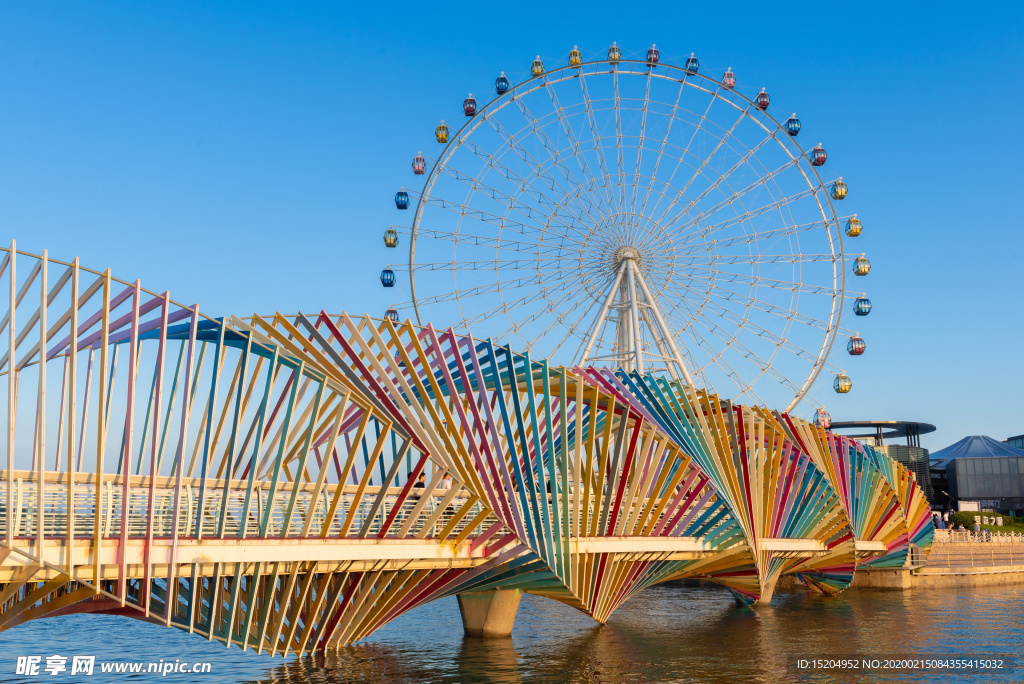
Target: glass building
984 474
1016 442
916 460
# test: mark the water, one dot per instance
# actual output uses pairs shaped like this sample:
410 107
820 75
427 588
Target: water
666 634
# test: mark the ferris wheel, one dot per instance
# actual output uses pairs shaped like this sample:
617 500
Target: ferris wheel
619 210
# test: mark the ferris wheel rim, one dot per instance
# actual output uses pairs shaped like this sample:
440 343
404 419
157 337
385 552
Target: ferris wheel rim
708 85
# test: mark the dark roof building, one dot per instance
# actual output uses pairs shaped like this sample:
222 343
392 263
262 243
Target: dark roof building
978 446
987 473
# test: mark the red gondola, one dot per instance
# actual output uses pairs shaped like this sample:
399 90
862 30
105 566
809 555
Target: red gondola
653 56
762 100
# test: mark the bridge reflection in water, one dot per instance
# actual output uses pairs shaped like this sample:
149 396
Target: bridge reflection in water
294 483
666 634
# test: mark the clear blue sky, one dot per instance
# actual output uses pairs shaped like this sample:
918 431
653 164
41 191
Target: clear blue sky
244 155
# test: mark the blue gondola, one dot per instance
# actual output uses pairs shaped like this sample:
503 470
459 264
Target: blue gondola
387 277
402 199
692 64
793 125
862 307
501 84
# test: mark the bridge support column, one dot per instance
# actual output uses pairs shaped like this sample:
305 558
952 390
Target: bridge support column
489 613
767 591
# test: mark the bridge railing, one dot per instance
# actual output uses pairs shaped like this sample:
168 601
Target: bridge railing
216 521
982 537
963 550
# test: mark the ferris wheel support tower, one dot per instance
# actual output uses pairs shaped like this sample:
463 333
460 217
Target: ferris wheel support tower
626 310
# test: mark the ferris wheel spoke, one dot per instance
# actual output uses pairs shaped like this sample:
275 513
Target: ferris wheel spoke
781 341
787 230
555 321
573 142
755 259
523 182
504 307
717 358
704 162
733 342
480 290
640 144
680 341
552 150
730 200
536 246
664 140
521 322
486 217
585 313
765 365
507 307
602 160
617 108
539 170
738 219
761 281
774 310
548 211
556 263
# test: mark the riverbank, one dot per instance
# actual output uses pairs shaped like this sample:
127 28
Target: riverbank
901 579
969 561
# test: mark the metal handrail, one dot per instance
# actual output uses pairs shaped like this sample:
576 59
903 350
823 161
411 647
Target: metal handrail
55 513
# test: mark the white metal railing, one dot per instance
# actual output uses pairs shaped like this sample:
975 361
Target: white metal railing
215 521
982 537
955 549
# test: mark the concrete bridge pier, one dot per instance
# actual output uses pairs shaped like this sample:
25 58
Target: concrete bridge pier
767 591
489 613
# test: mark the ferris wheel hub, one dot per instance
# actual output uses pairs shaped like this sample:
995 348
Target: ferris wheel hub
626 252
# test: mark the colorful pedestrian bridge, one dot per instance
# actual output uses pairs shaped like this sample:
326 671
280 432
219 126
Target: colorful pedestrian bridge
254 479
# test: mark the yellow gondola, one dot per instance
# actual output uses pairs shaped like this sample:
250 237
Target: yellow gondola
575 57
